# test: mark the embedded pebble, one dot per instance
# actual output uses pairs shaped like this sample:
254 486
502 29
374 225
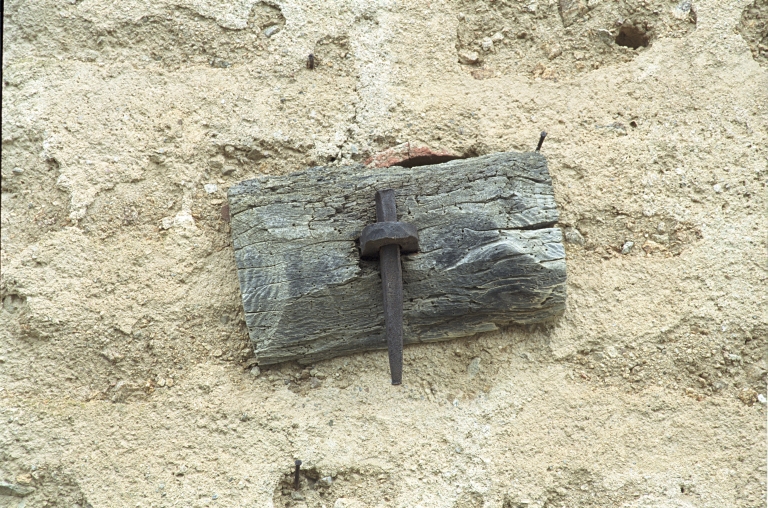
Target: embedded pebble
210 188
13 489
271 30
627 247
717 188
683 9
572 235
487 44
469 57
221 64
255 371
761 398
17 171
474 367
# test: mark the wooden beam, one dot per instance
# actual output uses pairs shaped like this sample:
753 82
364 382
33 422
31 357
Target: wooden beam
490 254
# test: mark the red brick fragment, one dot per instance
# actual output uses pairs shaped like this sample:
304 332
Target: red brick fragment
409 155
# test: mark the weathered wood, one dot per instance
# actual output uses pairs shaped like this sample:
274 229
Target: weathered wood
489 254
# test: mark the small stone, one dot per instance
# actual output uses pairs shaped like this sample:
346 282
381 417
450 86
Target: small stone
89 55
761 398
617 127
181 471
228 170
606 36
161 382
215 496
487 44
320 375
255 371
572 235
627 247
315 383
111 354
717 188
217 352
256 155
651 247
683 9
221 64
210 188
271 30
244 417
24 479
297 496
497 37
474 367
570 10
12 489
313 372
469 57
554 52
324 482
748 396
17 171
217 162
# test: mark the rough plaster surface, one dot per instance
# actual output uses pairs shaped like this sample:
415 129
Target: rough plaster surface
124 364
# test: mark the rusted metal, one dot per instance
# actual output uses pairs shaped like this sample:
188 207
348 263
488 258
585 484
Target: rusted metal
387 236
296 478
380 234
541 140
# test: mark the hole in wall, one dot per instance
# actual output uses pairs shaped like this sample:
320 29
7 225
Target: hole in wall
426 160
631 36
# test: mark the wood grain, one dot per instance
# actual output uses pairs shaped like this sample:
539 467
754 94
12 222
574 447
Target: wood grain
490 254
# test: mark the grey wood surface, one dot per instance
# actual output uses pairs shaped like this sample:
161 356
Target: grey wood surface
489 254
